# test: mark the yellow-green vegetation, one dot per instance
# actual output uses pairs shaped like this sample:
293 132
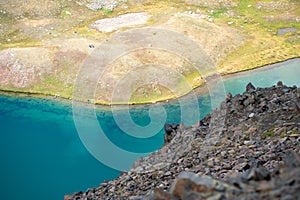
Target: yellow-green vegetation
260 21
269 133
246 138
237 35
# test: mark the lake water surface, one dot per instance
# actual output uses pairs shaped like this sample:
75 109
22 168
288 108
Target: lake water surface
42 156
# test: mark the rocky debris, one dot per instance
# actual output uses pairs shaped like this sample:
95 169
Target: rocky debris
274 5
99 4
228 155
254 183
170 131
164 157
228 97
126 20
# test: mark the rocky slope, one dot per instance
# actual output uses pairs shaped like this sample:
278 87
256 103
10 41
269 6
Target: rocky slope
248 148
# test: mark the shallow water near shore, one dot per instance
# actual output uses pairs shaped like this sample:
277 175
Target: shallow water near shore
42 156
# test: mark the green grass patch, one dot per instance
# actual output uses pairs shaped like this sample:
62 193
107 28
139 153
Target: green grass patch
107 11
246 138
218 13
66 12
269 133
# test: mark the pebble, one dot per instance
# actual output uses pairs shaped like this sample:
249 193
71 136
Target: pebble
168 173
247 142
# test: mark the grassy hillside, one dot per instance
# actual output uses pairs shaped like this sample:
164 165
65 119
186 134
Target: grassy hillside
44 44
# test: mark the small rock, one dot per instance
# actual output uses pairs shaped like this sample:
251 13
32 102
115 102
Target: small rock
294 135
258 174
251 115
279 84
247 142
250 87
168 173
228 97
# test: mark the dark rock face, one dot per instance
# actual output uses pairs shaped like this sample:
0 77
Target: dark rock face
170 131
252 154
250 87
279 84
228 97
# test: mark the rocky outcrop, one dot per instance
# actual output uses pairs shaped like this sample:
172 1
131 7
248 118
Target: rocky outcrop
121 21
248 148
99 4
170 131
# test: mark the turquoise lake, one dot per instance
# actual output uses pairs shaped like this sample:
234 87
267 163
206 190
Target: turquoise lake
42 156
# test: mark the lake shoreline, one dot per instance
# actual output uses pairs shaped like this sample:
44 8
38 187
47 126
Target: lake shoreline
261 68
230 143
200 90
